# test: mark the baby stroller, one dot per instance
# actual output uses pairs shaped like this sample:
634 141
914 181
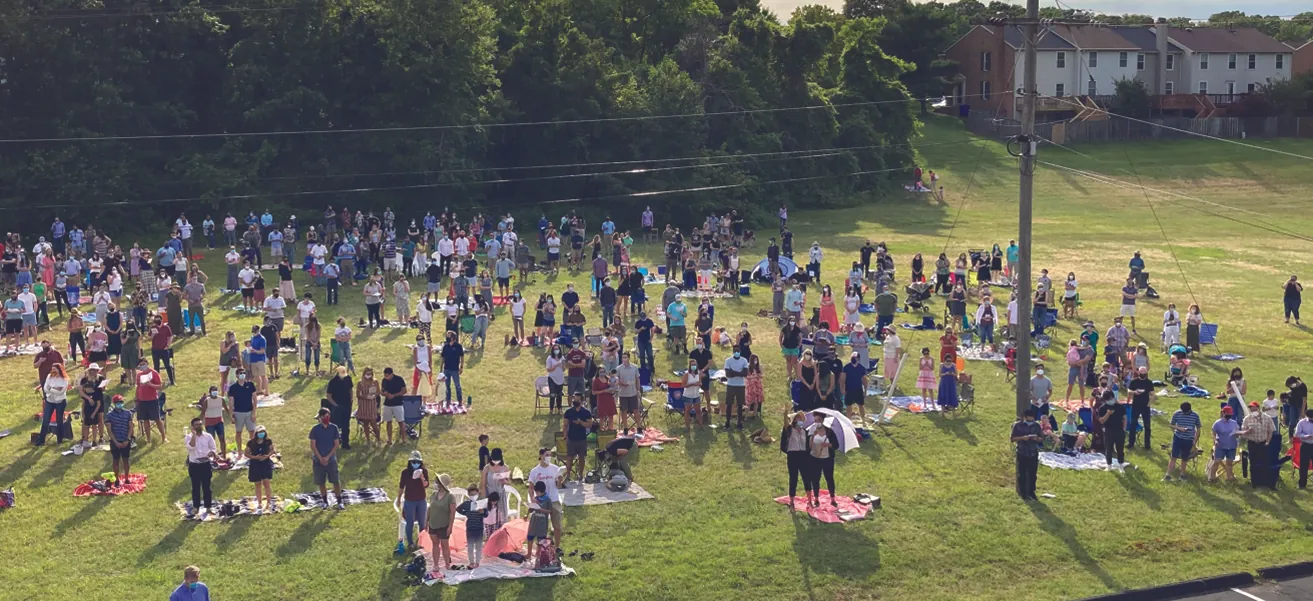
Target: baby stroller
918 296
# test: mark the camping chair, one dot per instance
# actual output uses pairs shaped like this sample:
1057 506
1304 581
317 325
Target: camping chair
1208 335
1010 364
413 409
593 337
467 329
645 411
542 394
675 400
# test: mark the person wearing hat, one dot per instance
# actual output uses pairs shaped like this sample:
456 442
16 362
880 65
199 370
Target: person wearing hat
1224 445
1185 427
1256 430
91 388
260 451
412 495
1118 340
441 519
859 340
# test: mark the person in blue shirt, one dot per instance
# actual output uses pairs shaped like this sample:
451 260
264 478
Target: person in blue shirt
77 239
677 312
643 328
57 232
191 589
165 258
1013 255
266 220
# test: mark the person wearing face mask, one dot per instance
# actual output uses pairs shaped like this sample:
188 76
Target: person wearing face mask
823 443
701 357
1113 417
412 496
796 446
260 469
1026 433
1225 442
213 408
493 479
324 442
576 423
191 589
148 399
200 452
736 372
553 479
422 357
1041 387
119 423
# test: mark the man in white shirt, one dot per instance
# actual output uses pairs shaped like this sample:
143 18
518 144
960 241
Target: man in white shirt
1012 316
551 477
29 314
445 249
200 451
736 372
462 247
230 229
304 309
319 252
246 278
517 316
184 234
273 309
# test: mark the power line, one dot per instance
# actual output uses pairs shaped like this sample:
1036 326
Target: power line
465 126
96 13
423 186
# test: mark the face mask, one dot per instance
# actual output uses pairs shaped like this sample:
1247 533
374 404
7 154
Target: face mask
241 377
414 464
260 435
1039 372
324 420
214 394
736 354
118 405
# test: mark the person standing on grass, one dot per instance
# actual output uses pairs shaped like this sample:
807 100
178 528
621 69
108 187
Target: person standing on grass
91 390
1256 430
259 348
394 388
367 405
1224 445
550 475
1292 298
796 445
736 372
576 423
453 366
412 496
441 519
324 443
629 389
1141 388
1304 438
119 422
1027 434
148 404
1185 425
200 452
1112 415
260 451
191 589
241 399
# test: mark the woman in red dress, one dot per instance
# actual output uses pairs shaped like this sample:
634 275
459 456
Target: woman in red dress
947 344
604 387
829 314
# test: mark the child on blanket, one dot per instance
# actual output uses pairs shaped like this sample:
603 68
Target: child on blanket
1070 433
473 526
539 519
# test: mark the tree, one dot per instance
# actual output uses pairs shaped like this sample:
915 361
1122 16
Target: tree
919 34
1285 96
1133 98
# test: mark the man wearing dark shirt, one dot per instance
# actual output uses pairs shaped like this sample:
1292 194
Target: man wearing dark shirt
575 425
569 298
394 388
241 397
453 365
161 336
1026 433
606 297
854 384
324 442
643 328
702 355
575 362
867 251
1113 417
1141 388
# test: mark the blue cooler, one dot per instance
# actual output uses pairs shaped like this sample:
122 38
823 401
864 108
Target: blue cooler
745 290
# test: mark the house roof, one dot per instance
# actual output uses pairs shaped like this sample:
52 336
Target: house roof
1047 41
1093 38
1302 45
1218 39
1143 38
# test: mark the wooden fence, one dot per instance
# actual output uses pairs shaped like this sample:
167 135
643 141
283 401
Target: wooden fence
1116 129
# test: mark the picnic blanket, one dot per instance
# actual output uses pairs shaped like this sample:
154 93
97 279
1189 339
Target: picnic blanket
507 539
226 509
919 326
847 511
866 308
653 437
445 409
912 404
978 353
598 494
1081 462
243 463
22 350
353 496
273 399
134 483
1227 357
1193 391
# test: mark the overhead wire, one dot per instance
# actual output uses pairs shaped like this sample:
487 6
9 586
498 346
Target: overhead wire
375 130
93 13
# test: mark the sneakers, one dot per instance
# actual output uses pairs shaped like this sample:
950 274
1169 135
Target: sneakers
340 505
1167 478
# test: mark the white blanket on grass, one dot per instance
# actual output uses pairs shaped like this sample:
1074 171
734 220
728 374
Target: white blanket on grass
1081 462
598 494
495 568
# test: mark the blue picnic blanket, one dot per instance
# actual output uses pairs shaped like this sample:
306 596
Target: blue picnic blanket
1193 391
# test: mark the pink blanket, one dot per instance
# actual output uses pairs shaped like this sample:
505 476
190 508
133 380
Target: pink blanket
827 513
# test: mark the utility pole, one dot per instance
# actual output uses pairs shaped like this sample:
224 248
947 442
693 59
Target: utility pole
1026 140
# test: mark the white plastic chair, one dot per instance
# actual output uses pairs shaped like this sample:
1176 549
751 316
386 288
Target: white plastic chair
541 394
513 510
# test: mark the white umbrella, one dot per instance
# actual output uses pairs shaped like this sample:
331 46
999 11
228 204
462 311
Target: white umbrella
842 426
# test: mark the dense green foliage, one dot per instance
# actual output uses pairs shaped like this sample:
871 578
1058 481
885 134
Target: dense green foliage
138 68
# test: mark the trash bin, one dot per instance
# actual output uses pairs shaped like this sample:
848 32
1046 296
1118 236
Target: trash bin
964 110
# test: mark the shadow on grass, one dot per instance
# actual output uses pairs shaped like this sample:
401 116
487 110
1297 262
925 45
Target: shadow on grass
167 545
1134 483
19 467
1063 531
833 549
233 534
93 506
304 536
956 427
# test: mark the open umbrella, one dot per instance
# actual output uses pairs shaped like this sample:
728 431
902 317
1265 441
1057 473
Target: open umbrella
842 426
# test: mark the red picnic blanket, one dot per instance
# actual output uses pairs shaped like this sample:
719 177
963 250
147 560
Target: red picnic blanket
653 436
827 513
135 483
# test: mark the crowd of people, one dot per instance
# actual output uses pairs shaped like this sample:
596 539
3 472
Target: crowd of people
596 372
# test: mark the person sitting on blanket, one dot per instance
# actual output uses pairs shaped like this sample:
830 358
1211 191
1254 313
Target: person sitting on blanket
1070 434
616 454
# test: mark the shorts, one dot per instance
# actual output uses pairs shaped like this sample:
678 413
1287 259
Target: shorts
558 516
433 287
1227 454
223 369
14 326
91 415
116 452
693 402
29 319
1073 375
678 332
248 292
855 397
1181 448
503 282
393 414
242 420
325 473
259 369
791 352
147 411
576 448
216 429
629 404
440 533
1128 311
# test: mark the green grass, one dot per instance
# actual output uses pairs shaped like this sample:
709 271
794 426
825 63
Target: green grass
951 527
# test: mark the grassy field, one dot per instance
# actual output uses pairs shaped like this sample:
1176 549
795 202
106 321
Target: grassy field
951 526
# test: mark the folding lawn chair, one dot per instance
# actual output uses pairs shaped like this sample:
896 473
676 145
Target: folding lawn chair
542 395
413 411
675 400
467 329
1208 335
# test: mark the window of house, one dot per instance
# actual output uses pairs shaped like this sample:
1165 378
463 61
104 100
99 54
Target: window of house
1253 61
1139 62
1230 61
1093 89
1121 59
1094 59
984 90
1253 87
986 59
1062 60
1171 62
1203 87
1281 61
1170 88
1203 61
1060 90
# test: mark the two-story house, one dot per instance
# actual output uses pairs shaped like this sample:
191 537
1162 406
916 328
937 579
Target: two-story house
989 66
1301 59
1226 62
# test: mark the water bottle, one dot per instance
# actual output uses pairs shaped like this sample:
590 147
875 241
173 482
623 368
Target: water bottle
469 400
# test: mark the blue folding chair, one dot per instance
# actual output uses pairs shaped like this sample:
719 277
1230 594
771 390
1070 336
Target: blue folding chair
1208 334
413 410
675 400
